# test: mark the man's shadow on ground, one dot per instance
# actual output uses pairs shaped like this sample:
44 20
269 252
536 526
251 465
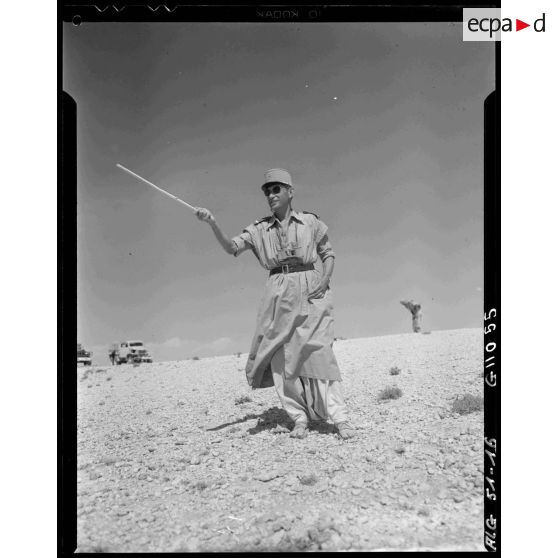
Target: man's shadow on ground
273 419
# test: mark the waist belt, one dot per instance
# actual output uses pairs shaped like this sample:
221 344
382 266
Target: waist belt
291 268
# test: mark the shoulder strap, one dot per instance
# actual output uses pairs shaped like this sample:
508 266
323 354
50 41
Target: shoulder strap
262 220
310 213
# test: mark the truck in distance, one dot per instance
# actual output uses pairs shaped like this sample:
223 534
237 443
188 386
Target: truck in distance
83 356
132 352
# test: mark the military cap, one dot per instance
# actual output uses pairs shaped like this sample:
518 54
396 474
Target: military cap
277 175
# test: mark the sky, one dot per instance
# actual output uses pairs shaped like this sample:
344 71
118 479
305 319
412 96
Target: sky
381 126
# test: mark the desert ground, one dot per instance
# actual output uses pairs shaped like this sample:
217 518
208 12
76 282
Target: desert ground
186 457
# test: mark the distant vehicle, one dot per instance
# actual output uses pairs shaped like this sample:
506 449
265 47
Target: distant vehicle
83 356
132 352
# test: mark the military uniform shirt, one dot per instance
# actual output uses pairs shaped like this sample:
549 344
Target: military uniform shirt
286 318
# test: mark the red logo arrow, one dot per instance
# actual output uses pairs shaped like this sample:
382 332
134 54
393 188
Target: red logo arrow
519 25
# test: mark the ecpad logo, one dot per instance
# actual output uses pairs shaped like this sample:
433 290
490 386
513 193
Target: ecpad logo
487 24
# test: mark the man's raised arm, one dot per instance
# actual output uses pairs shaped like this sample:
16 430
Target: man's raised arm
206 215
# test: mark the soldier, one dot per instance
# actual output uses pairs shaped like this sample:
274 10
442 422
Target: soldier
415 310
292 346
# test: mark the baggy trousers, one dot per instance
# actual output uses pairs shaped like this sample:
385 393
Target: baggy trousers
308 398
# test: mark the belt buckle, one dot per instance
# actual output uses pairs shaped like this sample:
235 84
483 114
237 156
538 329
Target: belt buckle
285 268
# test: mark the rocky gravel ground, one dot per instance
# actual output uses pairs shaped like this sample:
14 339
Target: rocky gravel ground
184 456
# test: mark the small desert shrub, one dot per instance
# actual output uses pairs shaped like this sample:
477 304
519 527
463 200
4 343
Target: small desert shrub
394 371
201 485
426 332
392 392
467 404
242 399
308 480
196 358
238 355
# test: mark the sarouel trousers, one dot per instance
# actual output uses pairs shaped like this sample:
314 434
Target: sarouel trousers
308 398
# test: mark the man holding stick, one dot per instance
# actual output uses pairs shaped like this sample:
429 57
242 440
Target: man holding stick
292 346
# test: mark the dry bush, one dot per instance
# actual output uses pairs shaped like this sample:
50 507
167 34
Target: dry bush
466 404
392 392
196 358
308 480
242 399
394 370
201 485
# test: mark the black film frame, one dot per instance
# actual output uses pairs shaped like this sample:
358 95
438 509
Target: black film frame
78 11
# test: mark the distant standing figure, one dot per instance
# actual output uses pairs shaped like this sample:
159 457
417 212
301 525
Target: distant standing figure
292 346
415 313
112 356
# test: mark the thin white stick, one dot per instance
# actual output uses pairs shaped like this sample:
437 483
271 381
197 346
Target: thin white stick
194 209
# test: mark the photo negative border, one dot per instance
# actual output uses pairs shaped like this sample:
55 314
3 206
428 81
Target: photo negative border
77 11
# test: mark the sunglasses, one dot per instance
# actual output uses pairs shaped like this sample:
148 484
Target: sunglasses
272 190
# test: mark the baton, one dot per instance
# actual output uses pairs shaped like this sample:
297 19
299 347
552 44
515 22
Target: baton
194 209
